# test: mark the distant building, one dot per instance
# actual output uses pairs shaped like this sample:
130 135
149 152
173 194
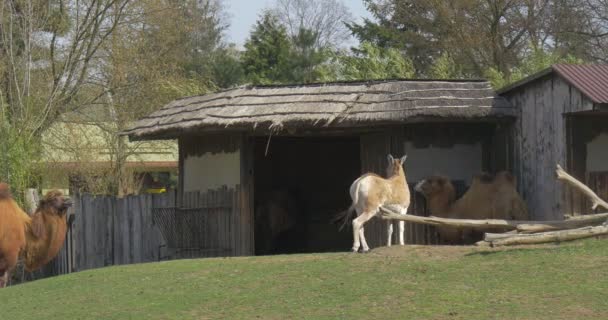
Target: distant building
78 156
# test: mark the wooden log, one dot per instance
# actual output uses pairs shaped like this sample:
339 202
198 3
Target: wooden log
595 199
387 213
522 226
505 239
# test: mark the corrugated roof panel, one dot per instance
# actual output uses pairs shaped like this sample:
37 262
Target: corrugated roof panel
591 80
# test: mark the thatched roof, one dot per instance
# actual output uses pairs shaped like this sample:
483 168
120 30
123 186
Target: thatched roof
353 104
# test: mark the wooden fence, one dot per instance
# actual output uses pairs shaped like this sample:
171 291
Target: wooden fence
112 231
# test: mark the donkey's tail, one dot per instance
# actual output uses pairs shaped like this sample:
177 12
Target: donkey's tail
345 215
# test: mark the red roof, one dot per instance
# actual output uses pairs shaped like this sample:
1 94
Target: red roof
590 79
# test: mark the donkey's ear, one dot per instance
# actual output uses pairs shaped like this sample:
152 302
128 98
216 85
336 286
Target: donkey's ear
403 159
390 158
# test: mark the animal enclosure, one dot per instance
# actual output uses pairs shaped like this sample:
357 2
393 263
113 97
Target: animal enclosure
268 144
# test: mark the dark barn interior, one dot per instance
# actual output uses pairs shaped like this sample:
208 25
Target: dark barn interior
300 184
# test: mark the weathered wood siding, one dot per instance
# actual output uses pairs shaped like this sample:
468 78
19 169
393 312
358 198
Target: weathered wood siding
542 141
110 231
234 175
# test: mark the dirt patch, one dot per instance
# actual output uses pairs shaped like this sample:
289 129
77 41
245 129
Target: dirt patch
446 252
425 252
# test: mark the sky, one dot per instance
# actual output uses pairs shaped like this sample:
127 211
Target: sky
244 13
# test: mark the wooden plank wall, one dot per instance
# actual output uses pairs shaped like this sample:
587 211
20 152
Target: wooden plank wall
598 181
541 142
218 208
111 231
243 237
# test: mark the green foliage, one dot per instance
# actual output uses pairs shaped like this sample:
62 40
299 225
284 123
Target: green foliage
227 70
19 160
370 62
266 59
306 58
481 34
445 67
536 60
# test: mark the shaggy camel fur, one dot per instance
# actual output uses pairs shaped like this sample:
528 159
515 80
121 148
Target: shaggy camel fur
37 238
489 197
371 191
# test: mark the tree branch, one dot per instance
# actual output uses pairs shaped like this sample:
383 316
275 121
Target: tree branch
595 199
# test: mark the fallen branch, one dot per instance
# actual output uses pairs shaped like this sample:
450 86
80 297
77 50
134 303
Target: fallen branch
523 226
505 239
595 199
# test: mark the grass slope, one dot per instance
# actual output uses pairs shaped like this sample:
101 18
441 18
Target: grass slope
569 281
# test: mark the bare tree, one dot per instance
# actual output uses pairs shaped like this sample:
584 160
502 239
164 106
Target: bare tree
326 18
47 51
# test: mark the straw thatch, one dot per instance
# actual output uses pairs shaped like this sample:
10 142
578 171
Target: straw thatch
344 105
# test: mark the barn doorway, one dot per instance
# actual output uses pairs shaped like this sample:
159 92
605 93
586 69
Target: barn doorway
300 184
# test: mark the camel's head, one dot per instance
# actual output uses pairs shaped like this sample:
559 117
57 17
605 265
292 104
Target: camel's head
395 165
436 186
55 201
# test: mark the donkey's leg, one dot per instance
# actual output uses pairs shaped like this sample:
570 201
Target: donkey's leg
401 232
363 241
402 227
356 235
389 227
357 225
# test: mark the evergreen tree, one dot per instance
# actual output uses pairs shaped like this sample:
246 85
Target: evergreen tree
267 52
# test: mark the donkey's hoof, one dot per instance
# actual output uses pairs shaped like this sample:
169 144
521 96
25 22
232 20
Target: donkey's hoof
354 250
365 251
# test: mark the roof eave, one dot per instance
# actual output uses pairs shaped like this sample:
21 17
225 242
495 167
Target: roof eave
174 133
515 85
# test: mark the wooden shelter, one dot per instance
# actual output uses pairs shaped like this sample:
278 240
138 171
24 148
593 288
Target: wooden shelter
563 119
297 149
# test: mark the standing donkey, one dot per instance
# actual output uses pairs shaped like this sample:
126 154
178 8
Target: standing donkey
370 191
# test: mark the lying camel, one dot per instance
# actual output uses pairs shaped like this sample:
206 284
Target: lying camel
489 197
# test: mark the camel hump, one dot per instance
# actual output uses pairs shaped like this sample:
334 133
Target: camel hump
5 191
506 176
502 176
485 177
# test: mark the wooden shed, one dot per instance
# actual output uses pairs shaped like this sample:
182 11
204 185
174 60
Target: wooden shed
563 119
297 149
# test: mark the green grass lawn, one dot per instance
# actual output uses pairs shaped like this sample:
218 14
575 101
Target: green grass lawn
569 281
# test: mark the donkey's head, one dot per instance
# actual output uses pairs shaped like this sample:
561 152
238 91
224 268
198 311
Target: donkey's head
395 166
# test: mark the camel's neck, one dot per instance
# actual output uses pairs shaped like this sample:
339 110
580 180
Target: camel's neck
439 205
45 238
